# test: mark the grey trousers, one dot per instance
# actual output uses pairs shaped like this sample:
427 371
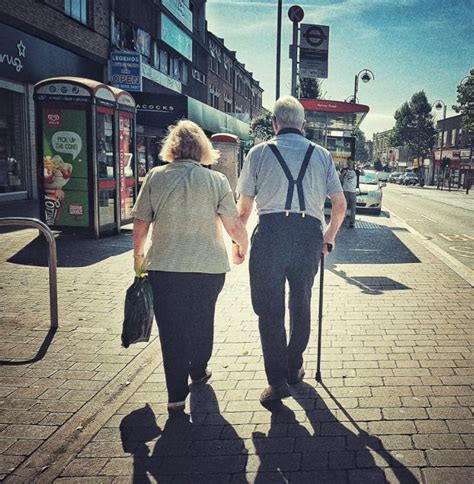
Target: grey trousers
351 199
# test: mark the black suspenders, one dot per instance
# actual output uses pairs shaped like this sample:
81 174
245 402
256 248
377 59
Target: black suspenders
292 182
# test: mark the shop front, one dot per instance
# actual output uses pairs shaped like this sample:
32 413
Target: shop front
25 60
156 112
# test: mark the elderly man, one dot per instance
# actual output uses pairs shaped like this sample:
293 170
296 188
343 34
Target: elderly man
289 177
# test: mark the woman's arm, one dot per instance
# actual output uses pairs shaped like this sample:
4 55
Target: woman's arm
140 232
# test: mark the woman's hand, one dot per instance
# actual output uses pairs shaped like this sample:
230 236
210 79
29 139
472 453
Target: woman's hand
138 262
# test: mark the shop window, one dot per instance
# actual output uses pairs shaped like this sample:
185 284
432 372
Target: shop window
142 42
77 9
164 59
12 143
123 35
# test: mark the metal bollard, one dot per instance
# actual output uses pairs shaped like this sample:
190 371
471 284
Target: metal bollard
52 259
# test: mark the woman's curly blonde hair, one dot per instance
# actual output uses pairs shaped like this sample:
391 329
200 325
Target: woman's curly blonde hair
187 141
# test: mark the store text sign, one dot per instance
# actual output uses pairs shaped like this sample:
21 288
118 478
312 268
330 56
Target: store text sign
126 71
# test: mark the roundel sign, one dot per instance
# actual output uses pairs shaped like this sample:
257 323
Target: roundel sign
296 13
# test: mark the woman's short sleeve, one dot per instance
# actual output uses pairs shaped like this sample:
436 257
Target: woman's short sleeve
226 205
143 209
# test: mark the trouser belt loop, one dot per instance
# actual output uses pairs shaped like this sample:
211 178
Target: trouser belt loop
287 213
303 214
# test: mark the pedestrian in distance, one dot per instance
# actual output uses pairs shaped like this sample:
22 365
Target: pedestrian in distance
187 260
350 182
289 178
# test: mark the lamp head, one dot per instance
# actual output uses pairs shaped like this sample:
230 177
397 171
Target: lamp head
366 77
438 105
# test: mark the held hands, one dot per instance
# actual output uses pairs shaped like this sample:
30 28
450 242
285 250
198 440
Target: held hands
238 254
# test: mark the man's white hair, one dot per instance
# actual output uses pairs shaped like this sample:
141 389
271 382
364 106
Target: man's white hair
288 112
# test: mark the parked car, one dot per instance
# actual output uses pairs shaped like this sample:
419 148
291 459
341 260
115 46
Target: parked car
369 193
410 178
394 176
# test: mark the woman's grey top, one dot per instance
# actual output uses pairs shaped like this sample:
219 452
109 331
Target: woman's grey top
187 233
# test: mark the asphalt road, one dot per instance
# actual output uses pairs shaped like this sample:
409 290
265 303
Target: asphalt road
447 219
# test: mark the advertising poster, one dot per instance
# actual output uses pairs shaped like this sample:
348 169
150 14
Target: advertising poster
65 171
127 178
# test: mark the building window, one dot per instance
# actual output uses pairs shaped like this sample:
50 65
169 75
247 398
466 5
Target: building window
12 143
77 9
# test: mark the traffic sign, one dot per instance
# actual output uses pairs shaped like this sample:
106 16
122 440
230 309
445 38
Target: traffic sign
296 13
314 36
314 45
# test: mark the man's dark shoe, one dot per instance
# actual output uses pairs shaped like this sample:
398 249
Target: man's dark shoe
204 378
296 376
275 392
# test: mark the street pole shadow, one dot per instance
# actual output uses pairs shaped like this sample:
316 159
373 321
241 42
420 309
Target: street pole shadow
39 356
201 447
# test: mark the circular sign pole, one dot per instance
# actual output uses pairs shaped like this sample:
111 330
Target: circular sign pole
278 50
296 15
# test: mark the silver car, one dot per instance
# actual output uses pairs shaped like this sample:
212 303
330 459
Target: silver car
369 193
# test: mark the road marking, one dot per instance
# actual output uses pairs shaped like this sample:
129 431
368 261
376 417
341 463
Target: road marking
410 210
430 219
456 237
463 251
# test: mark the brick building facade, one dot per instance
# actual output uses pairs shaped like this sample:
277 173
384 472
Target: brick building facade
48 38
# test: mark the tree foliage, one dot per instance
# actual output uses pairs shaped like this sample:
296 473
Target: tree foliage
361 153
465 103
261 127
309 88
414 126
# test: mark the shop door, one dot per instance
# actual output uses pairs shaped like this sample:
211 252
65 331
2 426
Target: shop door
106 171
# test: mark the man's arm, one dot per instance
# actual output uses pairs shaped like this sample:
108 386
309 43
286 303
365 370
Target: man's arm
338 212
237 232
244 206
140 232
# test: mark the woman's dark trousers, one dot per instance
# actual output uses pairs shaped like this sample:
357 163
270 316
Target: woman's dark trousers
184 304
284 248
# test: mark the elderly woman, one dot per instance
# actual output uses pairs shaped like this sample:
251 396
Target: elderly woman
187 259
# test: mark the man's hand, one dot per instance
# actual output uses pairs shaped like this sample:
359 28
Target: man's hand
238 254
328 240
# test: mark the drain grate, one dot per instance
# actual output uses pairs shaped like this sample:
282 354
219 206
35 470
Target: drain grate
361 224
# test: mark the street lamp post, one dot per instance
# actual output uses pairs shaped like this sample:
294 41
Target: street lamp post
440 105
367 75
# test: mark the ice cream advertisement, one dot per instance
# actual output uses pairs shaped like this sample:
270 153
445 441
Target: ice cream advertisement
65 167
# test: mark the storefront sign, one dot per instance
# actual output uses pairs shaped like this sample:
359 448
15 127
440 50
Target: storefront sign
126 71
176 38
160 78
180 9
65 167
160 110
22 58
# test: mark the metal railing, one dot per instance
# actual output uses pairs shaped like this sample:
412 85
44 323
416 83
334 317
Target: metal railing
52 259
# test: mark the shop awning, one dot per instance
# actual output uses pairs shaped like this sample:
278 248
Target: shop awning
333 115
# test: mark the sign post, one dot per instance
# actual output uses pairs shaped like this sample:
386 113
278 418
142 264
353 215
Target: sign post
296 15
314 45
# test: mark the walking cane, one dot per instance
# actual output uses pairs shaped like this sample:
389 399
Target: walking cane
320 316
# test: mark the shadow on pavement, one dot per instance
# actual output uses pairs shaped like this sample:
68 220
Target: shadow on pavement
201 447
328 450
370 244
72 250
39 356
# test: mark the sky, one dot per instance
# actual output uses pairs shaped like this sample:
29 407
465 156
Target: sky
409 45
